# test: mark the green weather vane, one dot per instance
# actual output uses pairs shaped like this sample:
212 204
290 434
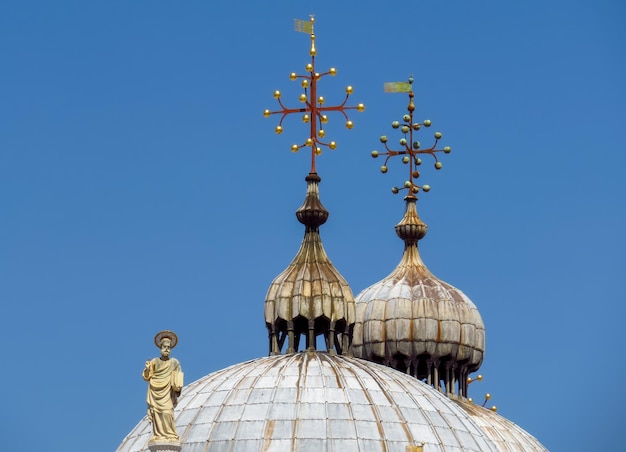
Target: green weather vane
314 109
411 150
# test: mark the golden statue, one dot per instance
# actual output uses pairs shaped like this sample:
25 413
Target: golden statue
165 378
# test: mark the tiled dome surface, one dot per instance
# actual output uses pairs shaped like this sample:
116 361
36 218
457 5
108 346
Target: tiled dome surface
507 435
314 401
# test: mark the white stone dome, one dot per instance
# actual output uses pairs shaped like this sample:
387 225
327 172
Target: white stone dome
315 401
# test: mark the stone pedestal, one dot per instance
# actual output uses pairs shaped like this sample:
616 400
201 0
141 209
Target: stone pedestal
164 446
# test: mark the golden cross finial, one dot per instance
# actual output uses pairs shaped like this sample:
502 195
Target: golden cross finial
314 109
410 150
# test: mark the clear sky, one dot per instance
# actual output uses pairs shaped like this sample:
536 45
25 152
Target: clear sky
142 189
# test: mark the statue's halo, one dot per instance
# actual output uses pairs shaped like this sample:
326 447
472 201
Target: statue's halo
163 335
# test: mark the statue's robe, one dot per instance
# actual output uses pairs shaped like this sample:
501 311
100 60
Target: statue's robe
166 381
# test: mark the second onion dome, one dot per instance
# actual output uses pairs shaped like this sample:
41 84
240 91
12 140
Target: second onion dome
416 323
411 320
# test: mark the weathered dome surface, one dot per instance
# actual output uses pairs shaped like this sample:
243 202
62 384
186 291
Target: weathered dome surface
315 401
310 297
506 434
417 323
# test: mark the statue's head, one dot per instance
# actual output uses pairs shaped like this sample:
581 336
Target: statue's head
166 347
166 340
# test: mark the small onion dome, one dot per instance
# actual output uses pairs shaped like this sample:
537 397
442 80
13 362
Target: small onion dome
505 433
417 323
310 297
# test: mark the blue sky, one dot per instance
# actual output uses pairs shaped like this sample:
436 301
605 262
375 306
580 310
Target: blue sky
142 189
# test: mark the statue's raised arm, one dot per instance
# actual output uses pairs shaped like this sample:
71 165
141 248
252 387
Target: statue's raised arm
165 381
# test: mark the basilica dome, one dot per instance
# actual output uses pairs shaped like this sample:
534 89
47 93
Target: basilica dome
344 374
316 401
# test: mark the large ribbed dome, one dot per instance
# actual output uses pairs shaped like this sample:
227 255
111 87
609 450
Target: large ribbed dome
417 323
315 401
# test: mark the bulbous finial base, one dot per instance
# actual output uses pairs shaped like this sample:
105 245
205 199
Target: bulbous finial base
312 213
411 228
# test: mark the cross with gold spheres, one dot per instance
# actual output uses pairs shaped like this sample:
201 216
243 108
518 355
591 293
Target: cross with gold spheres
314 110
